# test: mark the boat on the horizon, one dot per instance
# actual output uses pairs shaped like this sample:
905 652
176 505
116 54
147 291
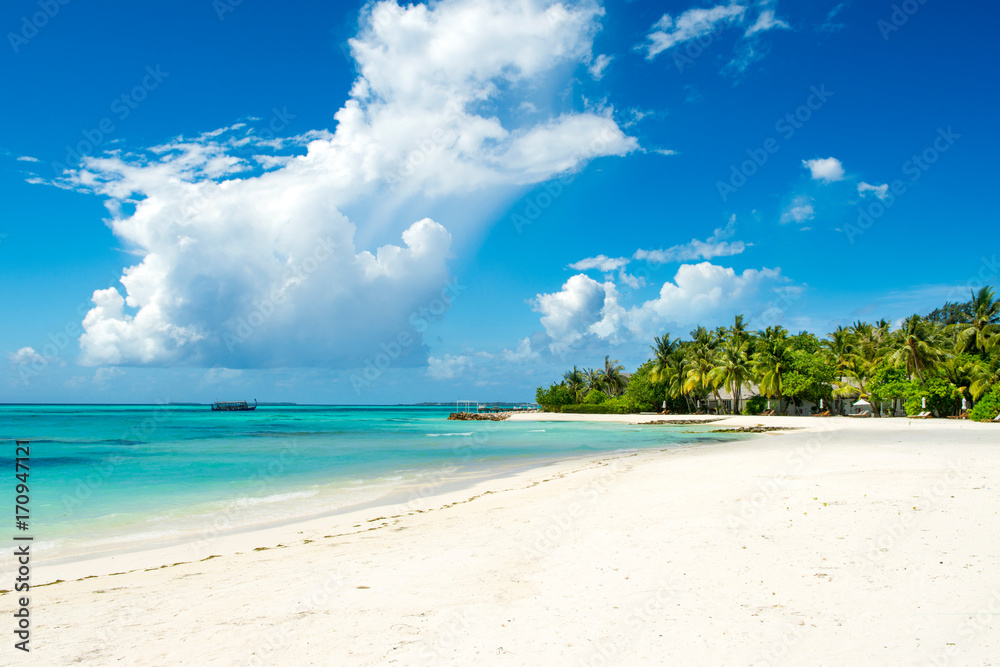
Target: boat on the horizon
234 406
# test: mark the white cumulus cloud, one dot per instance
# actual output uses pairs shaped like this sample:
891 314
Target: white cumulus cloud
583 306
699 291
247 257
25 357
447 367
523 353
584 309
825 169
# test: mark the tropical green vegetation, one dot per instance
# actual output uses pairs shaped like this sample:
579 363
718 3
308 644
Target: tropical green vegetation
929 363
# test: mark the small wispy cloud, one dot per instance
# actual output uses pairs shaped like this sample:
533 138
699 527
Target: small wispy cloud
800 210
715 246
880 191
602 263
600 64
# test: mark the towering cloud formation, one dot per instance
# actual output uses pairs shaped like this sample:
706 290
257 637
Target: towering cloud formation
247 257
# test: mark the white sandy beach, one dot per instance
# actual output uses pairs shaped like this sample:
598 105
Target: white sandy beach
848 542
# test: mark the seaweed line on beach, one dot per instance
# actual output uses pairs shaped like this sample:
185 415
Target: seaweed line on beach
759 428
603 462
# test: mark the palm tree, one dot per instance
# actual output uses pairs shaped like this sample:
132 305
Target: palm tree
675 374
701 336
959 372
612 378
592 377
919 347
733 370
838 348
870 340
985 374
982 331
662 351
739 332
575 382
699 378
859 370
771 360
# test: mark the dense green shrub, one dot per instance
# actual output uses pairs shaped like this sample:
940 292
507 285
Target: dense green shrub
553 397
595 397
755 405
988 406
642 394
620 405
943 398
589 409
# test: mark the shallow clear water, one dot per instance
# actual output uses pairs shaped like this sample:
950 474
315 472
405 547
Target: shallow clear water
108 477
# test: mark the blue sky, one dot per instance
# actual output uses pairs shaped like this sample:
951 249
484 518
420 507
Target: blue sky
347 203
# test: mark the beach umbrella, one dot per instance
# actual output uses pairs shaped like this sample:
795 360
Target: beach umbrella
862 402
923 402
821 404
963 403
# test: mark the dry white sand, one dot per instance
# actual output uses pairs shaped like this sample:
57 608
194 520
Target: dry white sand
851 542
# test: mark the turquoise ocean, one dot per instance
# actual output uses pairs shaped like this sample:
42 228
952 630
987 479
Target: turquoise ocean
108 478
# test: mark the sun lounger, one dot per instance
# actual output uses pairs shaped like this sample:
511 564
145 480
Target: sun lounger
997 418
825 413
922 415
